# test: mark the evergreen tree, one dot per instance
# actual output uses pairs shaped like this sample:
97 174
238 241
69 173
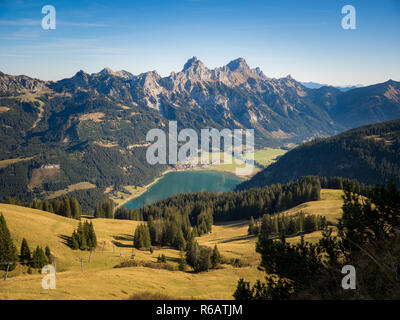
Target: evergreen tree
67 212
75 209
84 237
179 240
141 238
204 263
48 254
243 291
92 236
162 258
25 252
38 258
182 262
215 258
74 241
8 252
252 226
98 212
265 225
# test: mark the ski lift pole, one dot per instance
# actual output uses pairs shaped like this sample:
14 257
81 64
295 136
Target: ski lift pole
8 263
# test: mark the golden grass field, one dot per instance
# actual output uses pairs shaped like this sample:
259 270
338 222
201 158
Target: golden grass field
6 163
101 281
77 186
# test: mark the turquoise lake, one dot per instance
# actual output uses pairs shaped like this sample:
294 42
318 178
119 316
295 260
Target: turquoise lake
185 181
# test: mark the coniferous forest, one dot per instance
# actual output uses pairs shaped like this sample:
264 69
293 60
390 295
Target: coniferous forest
9 256
369 154
368 238
67 207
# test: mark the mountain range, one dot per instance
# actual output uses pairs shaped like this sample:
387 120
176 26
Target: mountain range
91 127
315 85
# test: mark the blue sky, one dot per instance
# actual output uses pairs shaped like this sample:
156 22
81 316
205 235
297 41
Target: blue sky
303 38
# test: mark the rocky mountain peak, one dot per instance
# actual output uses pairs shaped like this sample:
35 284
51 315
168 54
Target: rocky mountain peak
122 73
194 69
193 63
106 70
238 64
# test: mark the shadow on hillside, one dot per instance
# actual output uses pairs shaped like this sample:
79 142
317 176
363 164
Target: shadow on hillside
67 240
123 237
246 237
87 217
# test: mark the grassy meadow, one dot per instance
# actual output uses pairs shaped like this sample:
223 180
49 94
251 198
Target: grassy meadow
100 280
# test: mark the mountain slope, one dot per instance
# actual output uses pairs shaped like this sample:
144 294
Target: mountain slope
370 154
92 127
368 105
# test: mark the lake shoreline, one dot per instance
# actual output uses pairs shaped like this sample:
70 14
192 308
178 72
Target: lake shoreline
146 187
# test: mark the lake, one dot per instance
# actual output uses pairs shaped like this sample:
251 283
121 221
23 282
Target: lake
185 181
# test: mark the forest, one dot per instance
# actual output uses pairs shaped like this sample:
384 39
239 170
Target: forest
369 154
367 239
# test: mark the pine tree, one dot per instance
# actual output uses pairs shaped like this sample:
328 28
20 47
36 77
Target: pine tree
74 241
75 209
161 258
215 258
276 224
108 209
141 238
25 252
8 252
83 242
67 212
98 212
92 236
182 262
252 226
243 291
204 262
48 254
38 258
84 237
264 225
191 251
179 240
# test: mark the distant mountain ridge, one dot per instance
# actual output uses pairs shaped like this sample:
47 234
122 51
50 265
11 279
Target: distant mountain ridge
315 85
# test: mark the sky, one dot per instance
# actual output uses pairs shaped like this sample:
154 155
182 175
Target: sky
303 38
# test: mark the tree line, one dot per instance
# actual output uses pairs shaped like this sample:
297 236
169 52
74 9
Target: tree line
84 237
67 207
9 255
200 258
368 238
288 225
203 208
128 214
105 209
